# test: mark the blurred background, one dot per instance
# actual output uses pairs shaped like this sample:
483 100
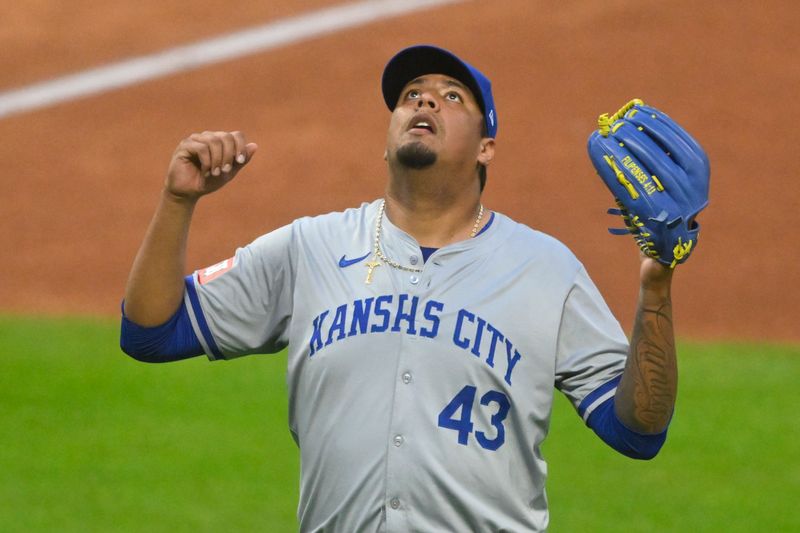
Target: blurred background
82 175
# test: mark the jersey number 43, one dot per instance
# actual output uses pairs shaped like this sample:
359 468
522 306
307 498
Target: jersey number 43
462 424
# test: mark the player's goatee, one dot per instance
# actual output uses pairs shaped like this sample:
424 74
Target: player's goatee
416 155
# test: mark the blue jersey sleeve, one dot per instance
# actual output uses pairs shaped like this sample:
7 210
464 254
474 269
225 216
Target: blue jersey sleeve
172 341
604 422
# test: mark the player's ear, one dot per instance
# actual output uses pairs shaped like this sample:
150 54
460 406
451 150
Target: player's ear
486 153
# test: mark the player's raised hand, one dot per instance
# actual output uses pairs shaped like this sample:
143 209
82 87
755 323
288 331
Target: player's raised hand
204 162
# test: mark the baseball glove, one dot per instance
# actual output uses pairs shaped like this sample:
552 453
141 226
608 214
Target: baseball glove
658 175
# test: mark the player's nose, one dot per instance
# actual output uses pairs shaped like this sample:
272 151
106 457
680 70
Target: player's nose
427 101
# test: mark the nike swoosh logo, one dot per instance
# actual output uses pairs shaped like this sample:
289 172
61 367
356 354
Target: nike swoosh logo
344 262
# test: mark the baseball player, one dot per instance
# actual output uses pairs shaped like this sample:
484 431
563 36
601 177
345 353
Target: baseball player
425 332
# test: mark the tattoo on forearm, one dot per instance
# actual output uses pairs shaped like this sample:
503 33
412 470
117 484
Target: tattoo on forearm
652 369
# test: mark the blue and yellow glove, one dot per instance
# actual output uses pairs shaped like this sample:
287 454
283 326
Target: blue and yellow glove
658 175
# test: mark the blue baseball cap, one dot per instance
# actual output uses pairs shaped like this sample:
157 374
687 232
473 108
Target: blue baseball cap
415 61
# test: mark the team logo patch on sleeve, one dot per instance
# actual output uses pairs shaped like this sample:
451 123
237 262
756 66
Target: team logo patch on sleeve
214 271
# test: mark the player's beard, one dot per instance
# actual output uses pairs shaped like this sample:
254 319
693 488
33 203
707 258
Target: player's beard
416 155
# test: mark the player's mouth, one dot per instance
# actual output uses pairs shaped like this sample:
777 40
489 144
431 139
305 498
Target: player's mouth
422 125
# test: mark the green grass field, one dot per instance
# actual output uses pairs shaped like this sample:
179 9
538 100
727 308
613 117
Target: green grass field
95 441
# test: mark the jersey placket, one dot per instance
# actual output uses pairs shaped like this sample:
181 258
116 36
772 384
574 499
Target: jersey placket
401 443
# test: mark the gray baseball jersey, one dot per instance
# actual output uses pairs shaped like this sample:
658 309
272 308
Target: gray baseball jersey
419 401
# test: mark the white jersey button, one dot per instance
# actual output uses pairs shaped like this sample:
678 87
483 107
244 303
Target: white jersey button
414 259
398 440
414 279
395 503
407 378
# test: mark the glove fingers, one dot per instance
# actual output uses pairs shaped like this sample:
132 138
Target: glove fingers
701 172
695 186
649 155
678 129
673 139
637 166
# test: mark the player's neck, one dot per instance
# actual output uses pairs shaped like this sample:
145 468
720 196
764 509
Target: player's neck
433 220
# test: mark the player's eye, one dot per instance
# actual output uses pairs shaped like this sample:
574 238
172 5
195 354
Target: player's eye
453 96
413 93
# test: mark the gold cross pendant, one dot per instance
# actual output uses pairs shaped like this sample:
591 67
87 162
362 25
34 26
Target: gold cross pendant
371 265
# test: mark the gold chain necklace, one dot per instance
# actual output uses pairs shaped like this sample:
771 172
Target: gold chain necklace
376 261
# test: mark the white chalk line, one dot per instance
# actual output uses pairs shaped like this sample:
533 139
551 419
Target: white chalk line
203 53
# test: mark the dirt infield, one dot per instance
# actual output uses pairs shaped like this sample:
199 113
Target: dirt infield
81 179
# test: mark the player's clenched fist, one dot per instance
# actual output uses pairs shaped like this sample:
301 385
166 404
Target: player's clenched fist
204 162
